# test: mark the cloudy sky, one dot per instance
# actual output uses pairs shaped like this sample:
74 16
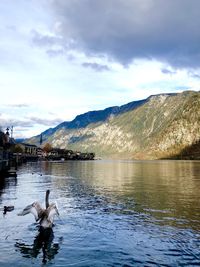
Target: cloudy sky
60 58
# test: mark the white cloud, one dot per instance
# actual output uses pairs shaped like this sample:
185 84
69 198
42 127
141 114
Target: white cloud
44 74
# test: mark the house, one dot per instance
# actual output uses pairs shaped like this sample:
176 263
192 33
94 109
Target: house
53 152
40 152
29 149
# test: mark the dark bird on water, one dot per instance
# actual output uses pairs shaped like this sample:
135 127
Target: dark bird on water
44 216
7 209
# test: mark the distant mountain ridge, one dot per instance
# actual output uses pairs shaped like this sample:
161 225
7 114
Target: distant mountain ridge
95 116
156 127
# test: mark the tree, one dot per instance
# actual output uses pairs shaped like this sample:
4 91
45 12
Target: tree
47 147
17 149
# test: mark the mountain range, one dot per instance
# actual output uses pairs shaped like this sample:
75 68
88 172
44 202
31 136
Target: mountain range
161 126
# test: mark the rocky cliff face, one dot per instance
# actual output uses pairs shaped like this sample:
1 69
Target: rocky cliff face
159 126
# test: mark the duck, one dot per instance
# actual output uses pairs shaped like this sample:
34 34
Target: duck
7 209
44 216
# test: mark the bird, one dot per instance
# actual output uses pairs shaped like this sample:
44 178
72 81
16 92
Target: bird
7 208
44 216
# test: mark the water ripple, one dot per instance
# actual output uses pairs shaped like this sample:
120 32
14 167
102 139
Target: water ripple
111 214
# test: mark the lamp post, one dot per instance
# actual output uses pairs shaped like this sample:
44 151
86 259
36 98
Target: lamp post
11 132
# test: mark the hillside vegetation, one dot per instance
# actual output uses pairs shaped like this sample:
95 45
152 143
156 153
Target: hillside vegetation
161 126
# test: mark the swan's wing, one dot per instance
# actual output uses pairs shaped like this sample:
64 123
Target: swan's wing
35 208
52 211
29 209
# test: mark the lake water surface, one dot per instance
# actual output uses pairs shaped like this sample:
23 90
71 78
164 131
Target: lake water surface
112 213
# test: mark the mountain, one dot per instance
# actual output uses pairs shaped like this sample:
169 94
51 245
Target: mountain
160 126
87 118
19 140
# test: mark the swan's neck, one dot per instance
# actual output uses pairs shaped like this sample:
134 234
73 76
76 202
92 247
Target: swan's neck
47 199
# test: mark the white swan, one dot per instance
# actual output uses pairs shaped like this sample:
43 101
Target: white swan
44 216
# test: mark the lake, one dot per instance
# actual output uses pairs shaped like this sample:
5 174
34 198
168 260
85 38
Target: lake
112 213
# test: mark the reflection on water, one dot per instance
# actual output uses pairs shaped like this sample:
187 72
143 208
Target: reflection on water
5 184
42 242
162 188
113 213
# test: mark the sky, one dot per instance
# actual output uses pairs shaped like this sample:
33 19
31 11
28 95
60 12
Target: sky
62 58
